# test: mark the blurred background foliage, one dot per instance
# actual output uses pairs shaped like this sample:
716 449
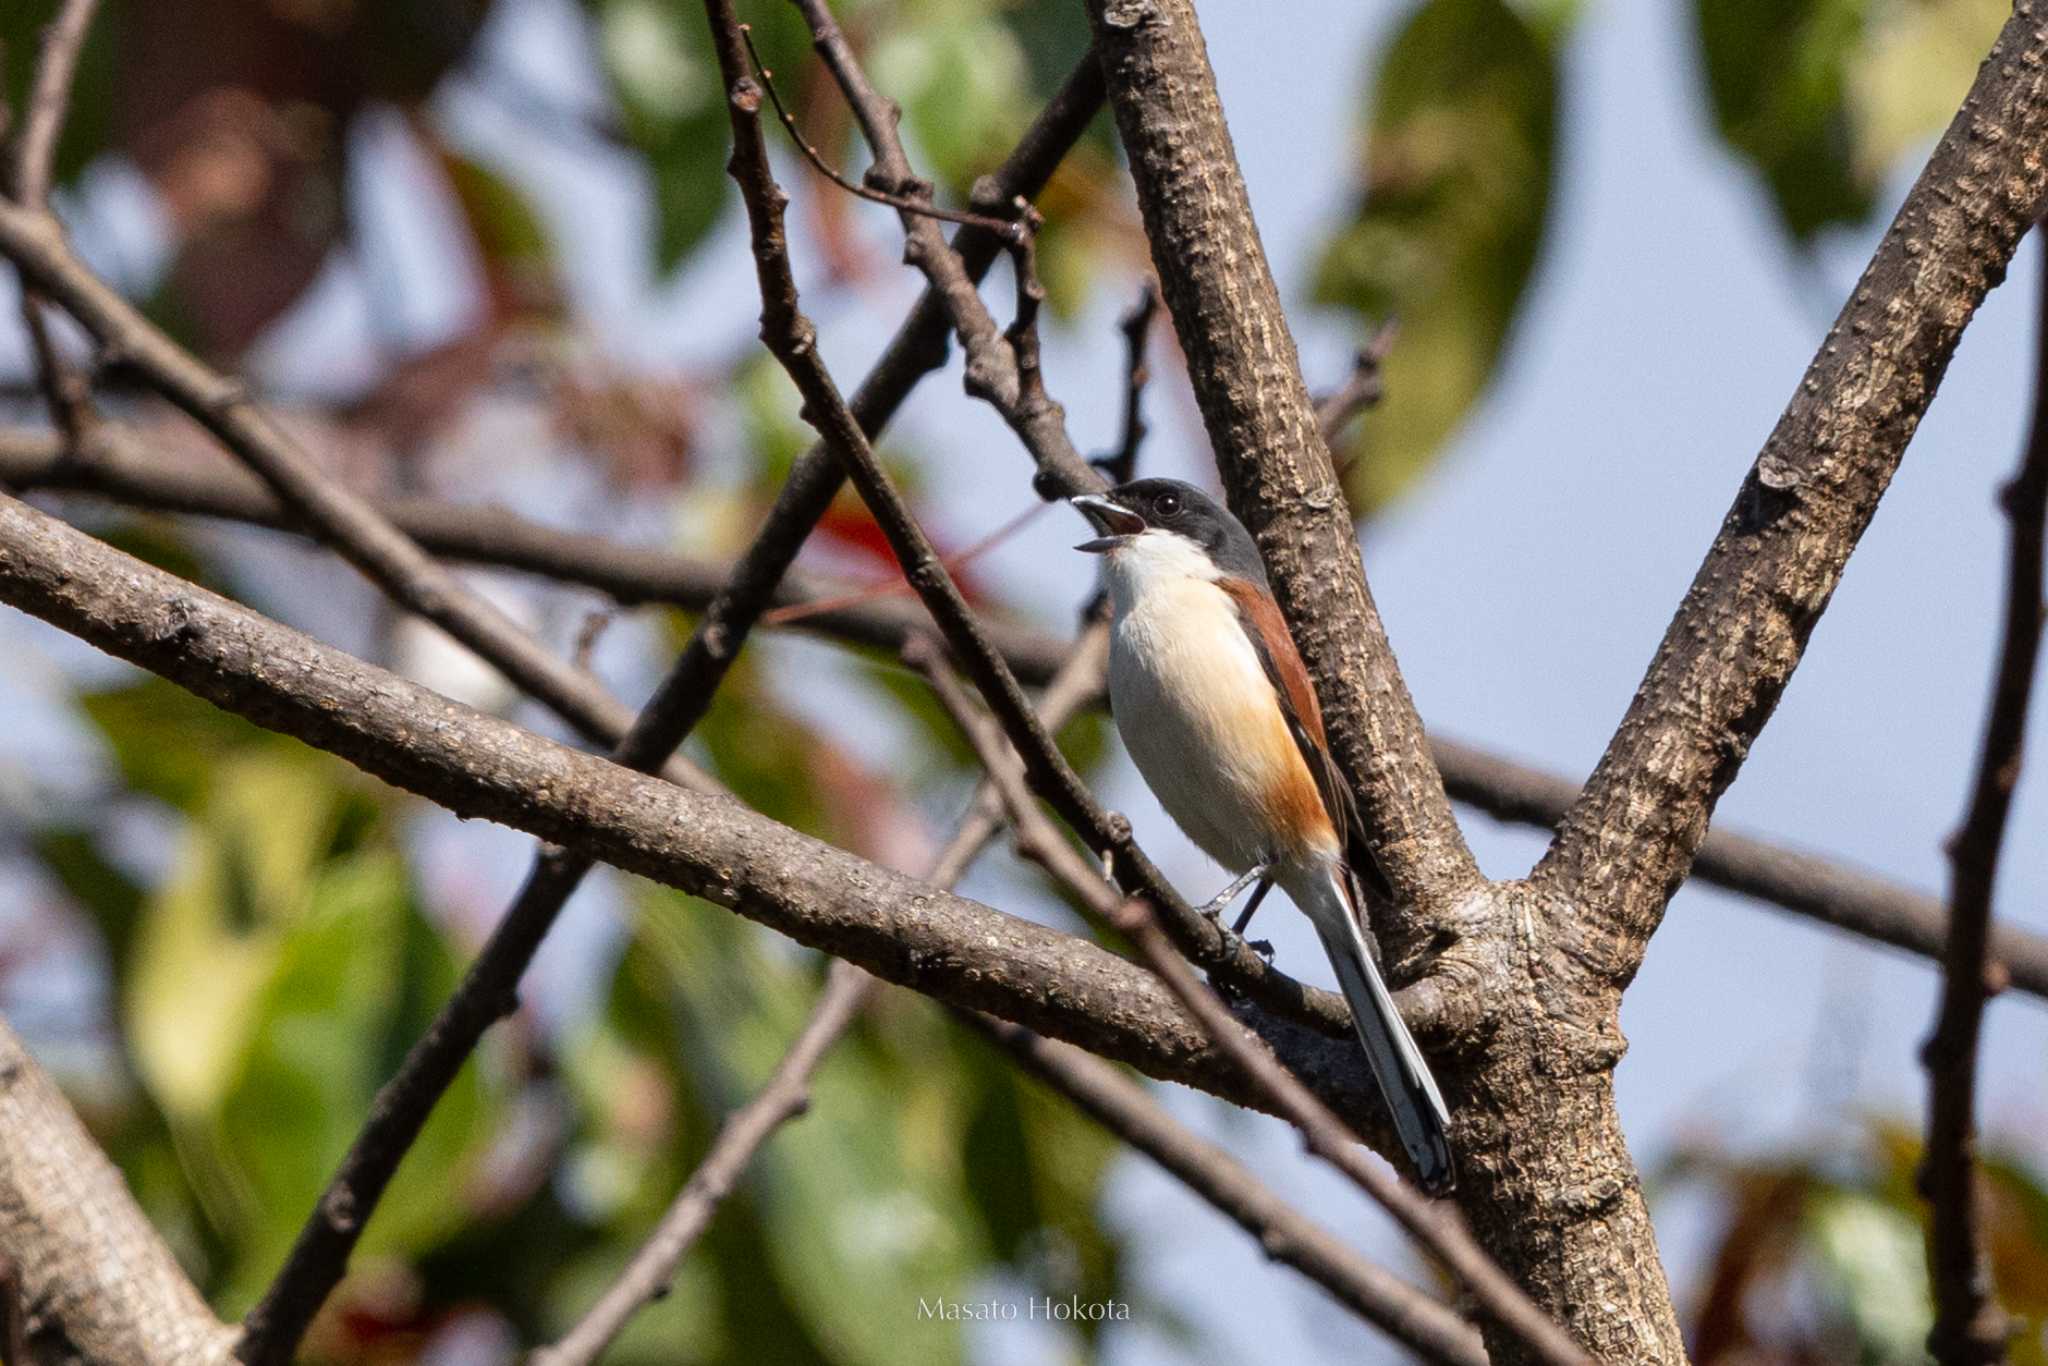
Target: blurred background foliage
265 926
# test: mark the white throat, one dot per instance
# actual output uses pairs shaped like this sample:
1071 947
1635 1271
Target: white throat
1152 560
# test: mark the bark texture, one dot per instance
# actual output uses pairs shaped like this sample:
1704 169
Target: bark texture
899 928
96 1283
1275 465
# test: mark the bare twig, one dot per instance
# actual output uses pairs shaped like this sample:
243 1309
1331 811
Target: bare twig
1361 389
488 989
1002 365
1010 230
1970 1327
1137 330
791 338
35 153
1407 1314
786 1095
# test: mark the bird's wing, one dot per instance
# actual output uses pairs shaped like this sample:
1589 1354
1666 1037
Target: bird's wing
1267 630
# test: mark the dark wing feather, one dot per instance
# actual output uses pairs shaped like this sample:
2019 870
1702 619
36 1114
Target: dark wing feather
1267 630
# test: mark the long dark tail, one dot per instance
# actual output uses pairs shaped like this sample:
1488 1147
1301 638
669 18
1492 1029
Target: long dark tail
1420 1118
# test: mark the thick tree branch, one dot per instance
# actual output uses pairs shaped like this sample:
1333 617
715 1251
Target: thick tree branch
488 990
1269 449
792 339
1970 1329
1435 1226
93 1281
1743 626
896 927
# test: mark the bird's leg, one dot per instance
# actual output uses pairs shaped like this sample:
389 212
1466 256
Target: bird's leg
1213 907
1245 917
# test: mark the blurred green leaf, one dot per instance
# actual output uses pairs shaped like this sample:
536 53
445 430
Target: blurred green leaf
1777 74
1824 97
658 58
1460 153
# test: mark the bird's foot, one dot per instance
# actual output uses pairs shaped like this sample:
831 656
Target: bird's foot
1215 905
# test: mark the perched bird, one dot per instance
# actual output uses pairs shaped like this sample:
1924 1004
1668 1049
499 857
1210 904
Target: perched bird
1217 712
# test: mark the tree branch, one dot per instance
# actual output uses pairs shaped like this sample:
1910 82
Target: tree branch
1970 1328
786 1095
792 339
1406 1314
1269 450
898 928
1743 626
35 152
92 1280
488 990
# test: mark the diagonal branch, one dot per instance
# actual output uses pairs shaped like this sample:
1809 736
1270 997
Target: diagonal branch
1735 640
1970 1329
488 989
1406 1314
786 1095
1272 456
35 153
896 927
94 1282
792 339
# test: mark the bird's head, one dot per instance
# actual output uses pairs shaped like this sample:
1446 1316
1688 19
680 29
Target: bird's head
1173 523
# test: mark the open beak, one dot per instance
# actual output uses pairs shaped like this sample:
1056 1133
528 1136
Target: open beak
1116 522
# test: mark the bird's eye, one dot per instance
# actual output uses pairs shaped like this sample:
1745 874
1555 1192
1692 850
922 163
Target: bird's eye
1166 504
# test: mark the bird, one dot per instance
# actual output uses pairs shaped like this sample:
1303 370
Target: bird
1217 711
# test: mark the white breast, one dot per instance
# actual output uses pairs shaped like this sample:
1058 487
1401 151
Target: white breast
1193 702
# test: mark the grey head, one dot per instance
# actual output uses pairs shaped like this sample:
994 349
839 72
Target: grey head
1177 508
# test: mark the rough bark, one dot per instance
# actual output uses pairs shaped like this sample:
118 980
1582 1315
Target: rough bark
95 1282
899 928
1743 626
1269 447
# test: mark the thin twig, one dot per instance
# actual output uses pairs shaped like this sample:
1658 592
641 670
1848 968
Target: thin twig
1362 389
785 1096
488 989
1407 1314
1002 364
1010 230
66 392
792 339
1137 330
1970 1327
